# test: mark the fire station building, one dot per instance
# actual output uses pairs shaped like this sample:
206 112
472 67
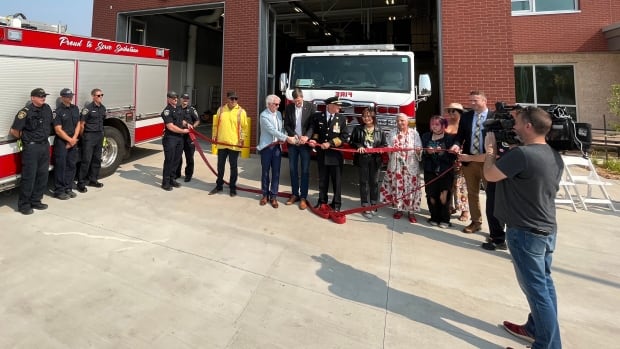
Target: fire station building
532 52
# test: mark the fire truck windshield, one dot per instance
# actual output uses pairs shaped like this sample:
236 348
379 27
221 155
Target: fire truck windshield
390 73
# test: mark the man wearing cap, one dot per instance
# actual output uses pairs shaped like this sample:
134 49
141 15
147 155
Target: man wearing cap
190 115
67 128
229 134
33 125
172 141
91 126
296 123
329 130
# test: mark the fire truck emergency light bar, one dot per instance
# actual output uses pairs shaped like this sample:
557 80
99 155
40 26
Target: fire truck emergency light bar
378 47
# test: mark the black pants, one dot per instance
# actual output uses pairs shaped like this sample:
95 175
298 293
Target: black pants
440 212
64 166
233 156
173 149
35 167
327 172
92 145
369 167
496 229
188 149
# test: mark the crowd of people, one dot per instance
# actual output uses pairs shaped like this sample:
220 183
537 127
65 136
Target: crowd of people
34 123
520 182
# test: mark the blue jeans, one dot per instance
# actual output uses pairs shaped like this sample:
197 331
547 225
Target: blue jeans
270 159
532 255
296 153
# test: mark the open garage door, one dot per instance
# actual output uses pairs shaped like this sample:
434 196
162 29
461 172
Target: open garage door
409 25
194 35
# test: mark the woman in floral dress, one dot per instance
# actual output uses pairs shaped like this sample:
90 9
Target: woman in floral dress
401 185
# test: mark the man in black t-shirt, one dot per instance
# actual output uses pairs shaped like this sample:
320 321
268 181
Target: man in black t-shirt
528 179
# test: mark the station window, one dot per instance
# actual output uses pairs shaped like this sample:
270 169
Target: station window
137 32
535 6
543 85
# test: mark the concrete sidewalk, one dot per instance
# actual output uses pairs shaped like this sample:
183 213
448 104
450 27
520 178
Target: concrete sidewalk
132 266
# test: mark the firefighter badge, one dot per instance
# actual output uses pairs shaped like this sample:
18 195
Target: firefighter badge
166 112
84 112
21 114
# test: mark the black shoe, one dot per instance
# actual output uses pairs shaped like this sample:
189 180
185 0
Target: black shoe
71 193
492 246
95 184
39 206
26 211
177 176
82 188
187 179
215 191
233 193
62 196
175 184
166 187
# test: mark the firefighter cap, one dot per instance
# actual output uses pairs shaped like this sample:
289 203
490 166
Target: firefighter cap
172 94
232 94
38 92
333 100
66 92
185 96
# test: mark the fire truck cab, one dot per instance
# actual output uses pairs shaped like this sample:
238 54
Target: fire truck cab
134 79
363 76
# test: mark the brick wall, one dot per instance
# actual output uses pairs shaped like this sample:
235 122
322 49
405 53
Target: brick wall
571 32
477 50
240 61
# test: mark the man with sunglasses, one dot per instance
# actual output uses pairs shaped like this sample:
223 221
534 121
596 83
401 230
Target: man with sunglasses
175 128
91 124
232 121
33 125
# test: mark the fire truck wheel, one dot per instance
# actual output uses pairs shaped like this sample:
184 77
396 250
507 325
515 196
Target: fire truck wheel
113 151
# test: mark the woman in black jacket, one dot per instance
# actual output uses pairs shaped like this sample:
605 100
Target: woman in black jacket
366 136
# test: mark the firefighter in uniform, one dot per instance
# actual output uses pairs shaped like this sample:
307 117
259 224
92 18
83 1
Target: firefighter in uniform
91 126
175 128
33 126
328 131
190 115
67 128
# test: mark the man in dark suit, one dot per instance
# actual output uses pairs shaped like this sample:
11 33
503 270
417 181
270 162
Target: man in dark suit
296 124
470 139
329 130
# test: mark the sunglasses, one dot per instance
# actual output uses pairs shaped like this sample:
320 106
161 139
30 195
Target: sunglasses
233 98
101 95
276 104
42 96
452 110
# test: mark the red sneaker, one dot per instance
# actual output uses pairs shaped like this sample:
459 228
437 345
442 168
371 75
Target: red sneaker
518 331
412 219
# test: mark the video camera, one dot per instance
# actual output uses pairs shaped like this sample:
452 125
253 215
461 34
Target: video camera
502 124
565 134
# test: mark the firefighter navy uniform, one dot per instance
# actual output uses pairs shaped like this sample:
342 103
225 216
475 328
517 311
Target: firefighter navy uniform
92 145
172 142
35 125
65 155
190 115
329 129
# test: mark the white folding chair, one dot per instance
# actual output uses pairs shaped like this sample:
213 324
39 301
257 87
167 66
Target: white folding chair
575 166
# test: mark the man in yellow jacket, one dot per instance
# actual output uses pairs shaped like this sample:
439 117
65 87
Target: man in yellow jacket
231 122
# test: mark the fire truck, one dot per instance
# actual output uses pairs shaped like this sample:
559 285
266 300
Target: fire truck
134 79
363 76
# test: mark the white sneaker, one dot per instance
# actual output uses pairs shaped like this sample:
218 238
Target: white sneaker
443 225
367 214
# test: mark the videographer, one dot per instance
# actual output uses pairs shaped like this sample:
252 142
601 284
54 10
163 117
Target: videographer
469 139
528 179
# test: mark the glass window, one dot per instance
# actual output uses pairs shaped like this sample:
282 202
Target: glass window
544 85
544 5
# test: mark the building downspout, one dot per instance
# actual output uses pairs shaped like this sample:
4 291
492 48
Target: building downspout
440 56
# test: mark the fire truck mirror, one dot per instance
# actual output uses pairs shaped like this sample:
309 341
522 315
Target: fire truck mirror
283 82
424 85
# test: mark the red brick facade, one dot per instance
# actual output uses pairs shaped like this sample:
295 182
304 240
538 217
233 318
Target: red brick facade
571 32
476 39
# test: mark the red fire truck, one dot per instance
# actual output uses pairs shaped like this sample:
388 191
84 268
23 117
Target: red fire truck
134 79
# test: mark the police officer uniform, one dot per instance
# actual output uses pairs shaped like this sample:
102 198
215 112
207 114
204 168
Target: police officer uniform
172 142
92 145
68 118
35 125
190 115
329 129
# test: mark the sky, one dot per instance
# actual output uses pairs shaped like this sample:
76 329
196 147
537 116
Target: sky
76 14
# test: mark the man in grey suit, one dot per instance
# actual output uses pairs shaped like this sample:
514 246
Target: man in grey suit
296 123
